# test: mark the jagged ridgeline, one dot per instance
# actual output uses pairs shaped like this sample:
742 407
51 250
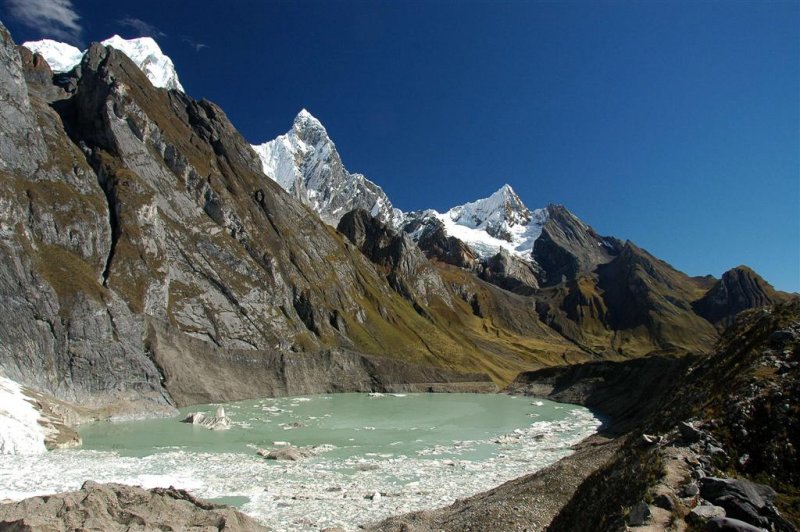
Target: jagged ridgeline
148 260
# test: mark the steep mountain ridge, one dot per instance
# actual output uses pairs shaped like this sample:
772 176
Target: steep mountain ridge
498 222
607 296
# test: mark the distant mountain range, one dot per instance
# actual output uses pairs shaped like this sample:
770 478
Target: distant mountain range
155 258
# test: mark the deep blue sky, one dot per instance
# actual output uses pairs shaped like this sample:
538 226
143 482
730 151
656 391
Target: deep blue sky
673 124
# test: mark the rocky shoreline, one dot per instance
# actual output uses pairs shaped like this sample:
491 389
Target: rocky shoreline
115 507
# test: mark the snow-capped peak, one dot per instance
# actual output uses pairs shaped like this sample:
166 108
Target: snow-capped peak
304 161
502 207
500 221
143 51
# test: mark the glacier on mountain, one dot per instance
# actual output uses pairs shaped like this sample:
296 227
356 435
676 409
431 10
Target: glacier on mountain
143 51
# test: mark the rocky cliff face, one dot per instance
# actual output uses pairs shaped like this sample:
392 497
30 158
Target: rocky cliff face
568 247
65 333
407 269
633 304
433 240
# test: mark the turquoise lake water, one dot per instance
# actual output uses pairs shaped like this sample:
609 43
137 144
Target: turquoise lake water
416 450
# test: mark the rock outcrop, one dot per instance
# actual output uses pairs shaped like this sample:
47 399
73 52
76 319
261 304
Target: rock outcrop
739 289
115 507
434 241
510 272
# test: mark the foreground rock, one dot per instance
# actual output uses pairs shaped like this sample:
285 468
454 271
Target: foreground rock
116 507
741 499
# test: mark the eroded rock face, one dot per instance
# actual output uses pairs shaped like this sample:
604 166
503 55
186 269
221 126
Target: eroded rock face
115 507
408 271
510 272
64 332
436 244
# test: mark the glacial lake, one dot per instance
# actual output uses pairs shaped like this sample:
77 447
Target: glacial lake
417 450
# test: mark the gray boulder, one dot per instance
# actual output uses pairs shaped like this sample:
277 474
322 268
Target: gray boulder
639 514
689 432
664 501
742 499
703 514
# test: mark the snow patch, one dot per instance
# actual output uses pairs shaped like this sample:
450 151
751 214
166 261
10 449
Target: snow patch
20 431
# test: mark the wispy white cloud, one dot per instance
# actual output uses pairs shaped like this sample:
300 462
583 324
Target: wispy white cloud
196 45
144 28
55 19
